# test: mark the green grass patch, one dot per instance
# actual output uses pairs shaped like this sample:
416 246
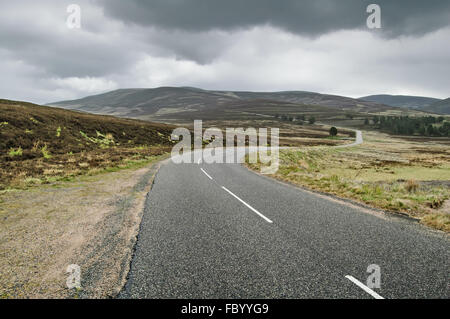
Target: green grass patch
15 152
45 152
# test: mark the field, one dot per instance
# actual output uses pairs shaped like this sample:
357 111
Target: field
291 133
40 144
407 176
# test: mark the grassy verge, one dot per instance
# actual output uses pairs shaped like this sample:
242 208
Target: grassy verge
22 174
401 176
91 220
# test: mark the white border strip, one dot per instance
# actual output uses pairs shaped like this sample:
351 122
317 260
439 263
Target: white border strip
364 287
206 174
259 214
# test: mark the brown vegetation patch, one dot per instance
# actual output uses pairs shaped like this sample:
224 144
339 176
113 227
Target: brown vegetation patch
37 142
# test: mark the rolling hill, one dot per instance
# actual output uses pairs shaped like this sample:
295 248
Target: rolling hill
147 103
426 104
440 107
406 101
40 142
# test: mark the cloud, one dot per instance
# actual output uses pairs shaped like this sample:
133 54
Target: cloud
85 85
308 18
246 45
267 59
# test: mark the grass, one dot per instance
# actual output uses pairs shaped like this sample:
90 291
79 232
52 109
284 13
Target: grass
42 143
45 152
412 178
15 152
78 219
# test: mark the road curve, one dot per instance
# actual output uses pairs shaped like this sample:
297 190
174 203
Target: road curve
222 231
358 140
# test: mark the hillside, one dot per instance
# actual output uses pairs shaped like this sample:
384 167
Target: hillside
440 107
406 101
142 103
40 142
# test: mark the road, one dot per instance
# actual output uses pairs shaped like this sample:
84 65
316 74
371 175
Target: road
222 231
358 140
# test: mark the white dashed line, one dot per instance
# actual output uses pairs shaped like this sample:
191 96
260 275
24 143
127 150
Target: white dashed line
254 210
364 287
206 174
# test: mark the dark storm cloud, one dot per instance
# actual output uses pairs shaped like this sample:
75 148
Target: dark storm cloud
313 17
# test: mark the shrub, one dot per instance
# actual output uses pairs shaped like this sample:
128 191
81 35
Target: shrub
411 186
13 152
333 131
45 152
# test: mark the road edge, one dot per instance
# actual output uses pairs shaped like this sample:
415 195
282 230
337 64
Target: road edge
129 259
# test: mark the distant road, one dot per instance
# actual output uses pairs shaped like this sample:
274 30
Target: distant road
222 231
358 140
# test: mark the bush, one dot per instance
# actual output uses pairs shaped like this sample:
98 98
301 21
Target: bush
45 152
13 152
333 131
312 120
411 186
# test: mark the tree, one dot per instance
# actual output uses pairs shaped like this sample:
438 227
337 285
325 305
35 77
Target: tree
422 130
376 119
333 131
430 130
312 120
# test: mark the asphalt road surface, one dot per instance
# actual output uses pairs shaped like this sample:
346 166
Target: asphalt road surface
221 231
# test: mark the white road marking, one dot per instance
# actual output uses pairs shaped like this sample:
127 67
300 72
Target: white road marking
206 173
364 287
198 162
260 215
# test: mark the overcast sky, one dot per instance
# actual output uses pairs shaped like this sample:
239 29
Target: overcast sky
262 45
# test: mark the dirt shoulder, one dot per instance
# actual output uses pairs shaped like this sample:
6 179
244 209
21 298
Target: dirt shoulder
91 221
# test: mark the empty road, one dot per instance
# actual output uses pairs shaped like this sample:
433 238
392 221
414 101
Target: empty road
221 231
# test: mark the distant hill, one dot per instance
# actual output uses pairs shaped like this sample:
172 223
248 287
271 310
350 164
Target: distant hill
406 101
439 107
140 103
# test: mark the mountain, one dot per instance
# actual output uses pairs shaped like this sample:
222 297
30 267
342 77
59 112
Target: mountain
142 103
406 101
439 107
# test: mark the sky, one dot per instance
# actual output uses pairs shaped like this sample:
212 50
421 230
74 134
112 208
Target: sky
259 45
